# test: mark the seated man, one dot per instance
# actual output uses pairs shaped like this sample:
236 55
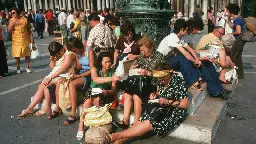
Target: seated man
181 56
223 61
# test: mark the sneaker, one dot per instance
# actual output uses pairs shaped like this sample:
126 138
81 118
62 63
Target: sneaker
225 94
18 72
28 70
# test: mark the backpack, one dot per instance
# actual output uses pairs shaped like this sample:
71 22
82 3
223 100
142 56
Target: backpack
249 35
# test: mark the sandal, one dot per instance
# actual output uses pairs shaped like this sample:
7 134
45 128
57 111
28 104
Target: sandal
121 125
71 119
41 112
54 114
24 114
80 135
196 87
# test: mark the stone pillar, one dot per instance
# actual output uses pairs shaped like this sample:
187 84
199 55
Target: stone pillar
88 4
186 8
81 4
92 6
73 4
198 2
25 6
192 8
77 4
64 4
99 5
40 4
69 4
46 4
205 7
112 4
212 4
178 5
29 4
60 4
84 3
34 5
232 1
107 4
103 4
52 5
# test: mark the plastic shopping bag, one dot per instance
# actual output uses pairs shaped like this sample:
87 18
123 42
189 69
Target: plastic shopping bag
34 51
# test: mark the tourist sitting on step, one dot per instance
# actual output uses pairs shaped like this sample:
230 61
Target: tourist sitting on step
126 44
102 88
81 80
146 62
210 48
165 111
179 55
61 61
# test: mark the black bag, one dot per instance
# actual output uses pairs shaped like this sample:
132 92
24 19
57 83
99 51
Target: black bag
141 86
72 25
157 111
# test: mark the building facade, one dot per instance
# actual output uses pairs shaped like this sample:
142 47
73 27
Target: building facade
68 4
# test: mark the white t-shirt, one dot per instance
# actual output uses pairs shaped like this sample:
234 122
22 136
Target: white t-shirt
101 19
169 43
70 19
62 17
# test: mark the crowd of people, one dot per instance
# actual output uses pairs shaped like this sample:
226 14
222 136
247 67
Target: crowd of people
97 44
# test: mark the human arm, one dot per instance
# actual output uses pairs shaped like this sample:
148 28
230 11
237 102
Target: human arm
237 31
186 54
116 53
76 23
191 51
52 62
85 74
100 80
112 91
69 59
11 25
78 65
91 57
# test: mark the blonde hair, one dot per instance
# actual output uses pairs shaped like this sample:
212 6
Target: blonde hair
146 41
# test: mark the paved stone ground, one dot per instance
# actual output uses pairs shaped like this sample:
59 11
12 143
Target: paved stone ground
16 90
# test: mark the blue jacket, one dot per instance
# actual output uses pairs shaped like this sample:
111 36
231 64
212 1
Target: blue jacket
39 18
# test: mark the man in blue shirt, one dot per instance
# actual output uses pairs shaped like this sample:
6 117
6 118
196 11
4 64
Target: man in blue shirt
39 20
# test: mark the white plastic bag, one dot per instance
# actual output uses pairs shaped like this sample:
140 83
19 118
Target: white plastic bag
119 69
231 74
34 51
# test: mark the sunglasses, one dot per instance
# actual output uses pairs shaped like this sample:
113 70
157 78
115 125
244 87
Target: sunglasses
13 13
221 33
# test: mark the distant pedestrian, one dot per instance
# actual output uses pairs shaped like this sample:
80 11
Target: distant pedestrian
3 59
62 19
49 20
39 20
210 20
21 37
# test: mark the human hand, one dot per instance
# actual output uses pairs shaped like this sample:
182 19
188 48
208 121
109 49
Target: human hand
163 101
197 63
134 66
152 96
47 81
144 72
104 92
113 65
115 78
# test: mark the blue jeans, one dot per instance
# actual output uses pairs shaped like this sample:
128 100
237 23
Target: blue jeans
211 77
190 73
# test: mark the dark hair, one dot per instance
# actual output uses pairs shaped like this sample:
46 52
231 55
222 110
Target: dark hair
127 27
93 17
77 15
72 10
179 24
100 11
100 58
54 47
162 66
74 43
106 10
233 8
195 23
114 20
18 11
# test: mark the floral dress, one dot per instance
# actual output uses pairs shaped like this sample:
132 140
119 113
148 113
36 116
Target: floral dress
176 90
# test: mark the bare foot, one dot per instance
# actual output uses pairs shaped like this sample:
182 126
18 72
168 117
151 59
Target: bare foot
135 123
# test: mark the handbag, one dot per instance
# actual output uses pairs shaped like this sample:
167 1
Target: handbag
64 97
97 116
157 111
34 51
248 36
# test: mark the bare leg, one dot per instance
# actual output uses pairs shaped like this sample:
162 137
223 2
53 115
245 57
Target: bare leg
47 106
87 104
96 101
38 97
127 107
137 109
132 132
222 75
73 85
27 59
57 109
17 62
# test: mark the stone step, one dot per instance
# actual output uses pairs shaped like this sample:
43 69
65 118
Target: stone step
202 126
